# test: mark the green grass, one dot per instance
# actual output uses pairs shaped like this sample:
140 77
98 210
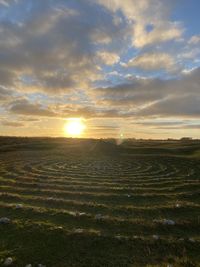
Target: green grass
63 184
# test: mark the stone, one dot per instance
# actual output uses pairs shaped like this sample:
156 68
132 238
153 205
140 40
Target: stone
168 222
19 206
98 217
78 231
8 261
156 237
4 220
82 213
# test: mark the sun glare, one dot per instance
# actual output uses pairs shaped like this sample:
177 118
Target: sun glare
74 127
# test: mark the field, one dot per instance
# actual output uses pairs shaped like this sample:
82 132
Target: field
91 203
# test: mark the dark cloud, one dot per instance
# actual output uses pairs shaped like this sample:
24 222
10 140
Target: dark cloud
147 97
187 106
24 107
52 47
5 94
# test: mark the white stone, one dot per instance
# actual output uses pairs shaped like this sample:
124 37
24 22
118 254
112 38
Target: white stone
4 220
192 240
8 261
28 265
19 206
41 265
98 217
168 222
73 213
156 237
79 231
82 213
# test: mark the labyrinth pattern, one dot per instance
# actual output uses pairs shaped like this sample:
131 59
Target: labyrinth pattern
122 196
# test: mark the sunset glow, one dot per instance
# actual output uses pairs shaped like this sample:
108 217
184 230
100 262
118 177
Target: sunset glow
74 127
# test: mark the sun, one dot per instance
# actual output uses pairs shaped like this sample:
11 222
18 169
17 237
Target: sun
74 127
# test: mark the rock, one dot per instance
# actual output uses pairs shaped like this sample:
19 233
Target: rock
4 220
19 206
169 265
118 237
78 214
178 205
8 261
156 237
82 213
56 228
50 198
28 265
98 217
192 240
78 231
73 213
41 265
128 195
168 222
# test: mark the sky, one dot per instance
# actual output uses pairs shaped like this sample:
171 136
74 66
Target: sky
127 68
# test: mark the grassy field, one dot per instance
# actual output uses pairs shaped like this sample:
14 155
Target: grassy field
90 203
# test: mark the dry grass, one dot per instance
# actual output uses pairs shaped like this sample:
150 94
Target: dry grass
91 203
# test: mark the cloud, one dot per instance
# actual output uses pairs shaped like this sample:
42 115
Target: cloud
12 123
153 13
168 125
5 94
153 61
53 46
108 58
52 49
24 107
7 3
194 40
150 97
174 106
162 32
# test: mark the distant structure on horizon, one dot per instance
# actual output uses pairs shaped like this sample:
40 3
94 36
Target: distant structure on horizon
186 139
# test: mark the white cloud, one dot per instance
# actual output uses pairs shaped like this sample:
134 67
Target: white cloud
194 40
108 58
153 61
162 32
141 14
